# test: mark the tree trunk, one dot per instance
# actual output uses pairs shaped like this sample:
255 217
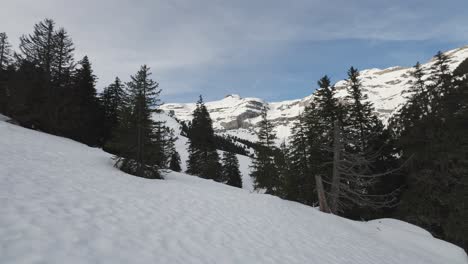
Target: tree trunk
321 195
335 186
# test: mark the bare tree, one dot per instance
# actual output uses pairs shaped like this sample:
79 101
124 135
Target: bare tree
352 178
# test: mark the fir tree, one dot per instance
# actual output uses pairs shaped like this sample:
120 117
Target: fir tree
436 146
6 54
6 72
83 116
203 157
231 173
112 99
175 162
135 139
63 62
361 122
263 169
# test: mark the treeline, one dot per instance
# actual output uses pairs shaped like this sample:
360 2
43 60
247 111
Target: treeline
204 160
43 87
341 157
224 143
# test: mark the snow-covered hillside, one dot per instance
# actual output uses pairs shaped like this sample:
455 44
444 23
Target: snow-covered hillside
238 116
64 202
181 145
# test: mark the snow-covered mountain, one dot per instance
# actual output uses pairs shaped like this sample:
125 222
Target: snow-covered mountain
238 116
64 202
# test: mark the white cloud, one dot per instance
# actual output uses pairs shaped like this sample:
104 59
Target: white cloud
183 39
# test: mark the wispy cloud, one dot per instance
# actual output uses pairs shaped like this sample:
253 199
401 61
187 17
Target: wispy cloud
187 41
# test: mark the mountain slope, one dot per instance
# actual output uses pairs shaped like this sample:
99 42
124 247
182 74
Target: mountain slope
64 202
238 116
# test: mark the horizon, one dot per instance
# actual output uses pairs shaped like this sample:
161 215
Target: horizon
269 50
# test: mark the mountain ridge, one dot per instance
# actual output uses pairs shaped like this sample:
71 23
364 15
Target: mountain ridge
237 116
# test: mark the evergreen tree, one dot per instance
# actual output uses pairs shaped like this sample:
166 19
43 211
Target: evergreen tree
82 117
282 163
203 157
63 62
435 143
361 122
112 99
175 162
263 169
6 54
51 52
5 72
231 173
40 47
135 139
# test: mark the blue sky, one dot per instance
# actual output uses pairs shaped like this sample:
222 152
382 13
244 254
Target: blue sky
270 49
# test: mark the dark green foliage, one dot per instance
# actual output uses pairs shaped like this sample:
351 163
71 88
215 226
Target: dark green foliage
112 99
462 69
82 117
135 138
434 141
264 171
6 53
231 173
228 144
203 157
175 162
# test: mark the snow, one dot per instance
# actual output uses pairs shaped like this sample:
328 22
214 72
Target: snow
64 202
182 144
239 116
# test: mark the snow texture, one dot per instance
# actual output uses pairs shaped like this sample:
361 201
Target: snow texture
64 202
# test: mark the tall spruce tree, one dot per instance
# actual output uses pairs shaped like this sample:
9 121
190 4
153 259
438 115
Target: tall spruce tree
63 62
435 143
263 169
40 46
203 158
82 117
175 162
6 53
6 72
112 99
231 173
135 139
51 52
362 123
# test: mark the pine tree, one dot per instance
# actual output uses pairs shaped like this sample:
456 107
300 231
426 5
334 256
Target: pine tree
175 162
231 173
50 51
263 169
361 122
82 117
112 99
135 139
40 47
282 163
436 146
203 157
5 72
6 54
63 63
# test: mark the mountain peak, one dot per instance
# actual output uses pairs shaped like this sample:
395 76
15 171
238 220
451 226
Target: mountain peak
239 116
235 96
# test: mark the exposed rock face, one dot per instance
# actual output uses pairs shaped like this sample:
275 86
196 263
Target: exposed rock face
239 116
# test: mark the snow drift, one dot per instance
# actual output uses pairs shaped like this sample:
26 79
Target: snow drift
63 202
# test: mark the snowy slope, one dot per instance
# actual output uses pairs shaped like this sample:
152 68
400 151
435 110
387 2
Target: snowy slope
64 202
182 147
238 116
